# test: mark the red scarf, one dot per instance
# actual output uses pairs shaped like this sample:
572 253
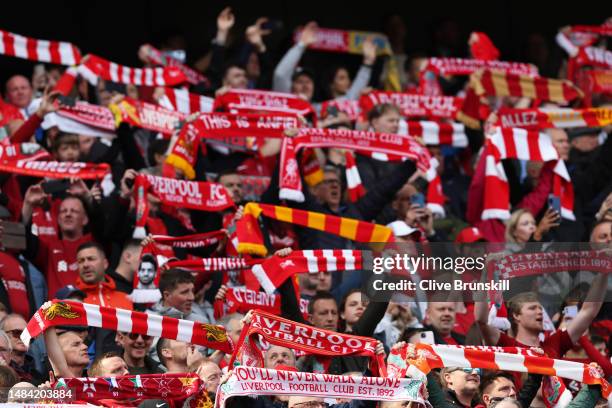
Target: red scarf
71 313
462 66
523 145
275 270
482 47
58 170
543 263
534 119
604 29
146 115
157 57
54 52
346 41
240 132
195 195
130 390
22 152
214 264
245 100
183 101
241 300
250 239
353 179
290 180
83 119
93 67
349 106
297 336
435 133
524 360
411 105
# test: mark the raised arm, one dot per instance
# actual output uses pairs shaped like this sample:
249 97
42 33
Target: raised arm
481 314
589 309
284 70
362 79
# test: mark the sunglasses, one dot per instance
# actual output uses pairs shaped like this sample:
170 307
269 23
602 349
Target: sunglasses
467 370
134 336
16 333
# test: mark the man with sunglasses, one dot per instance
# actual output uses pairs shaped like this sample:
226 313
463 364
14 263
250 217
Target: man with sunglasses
135 350
23 364
461 385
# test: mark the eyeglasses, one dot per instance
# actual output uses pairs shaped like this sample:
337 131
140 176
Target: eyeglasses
467 370
134 336
16 333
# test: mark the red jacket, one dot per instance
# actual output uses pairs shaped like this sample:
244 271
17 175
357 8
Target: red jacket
105 293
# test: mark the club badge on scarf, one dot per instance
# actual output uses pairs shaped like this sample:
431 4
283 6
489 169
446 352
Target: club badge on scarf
195 195
71 313
287 333
263 381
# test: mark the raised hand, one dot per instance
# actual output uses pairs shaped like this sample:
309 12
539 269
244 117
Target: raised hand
256 32
309 33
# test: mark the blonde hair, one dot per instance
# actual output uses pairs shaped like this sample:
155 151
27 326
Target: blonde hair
513 222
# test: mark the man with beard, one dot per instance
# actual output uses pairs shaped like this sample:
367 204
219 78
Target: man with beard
461 385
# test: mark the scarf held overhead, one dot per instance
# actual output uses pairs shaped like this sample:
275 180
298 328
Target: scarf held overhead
85 314
276 270
411 105
54 52
289 177
195 195
554 118
181 100
312 340
264 381
93 67
146 115
511 143
57 170
250 238
523 360
245 100
157 57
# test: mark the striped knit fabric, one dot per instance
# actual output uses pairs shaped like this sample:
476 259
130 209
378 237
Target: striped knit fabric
183 101
495 83
250 238
55 52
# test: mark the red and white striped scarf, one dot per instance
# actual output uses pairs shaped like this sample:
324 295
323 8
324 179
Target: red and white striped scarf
435 133
242 299
54 52
411 105
375 143
66 312
312 340
250 100
276 270
534 119
181 100
353 179
214 264
157 57
93 67
22 152
349 106
521 144
518 359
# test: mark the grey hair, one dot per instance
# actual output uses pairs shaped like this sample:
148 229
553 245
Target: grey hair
507 399
8 340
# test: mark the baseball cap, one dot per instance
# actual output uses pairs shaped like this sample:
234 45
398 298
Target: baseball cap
469 235
69 291
583 131
299 71
401 229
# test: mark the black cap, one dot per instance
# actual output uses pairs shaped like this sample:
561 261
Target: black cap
299 71
68 292
582 131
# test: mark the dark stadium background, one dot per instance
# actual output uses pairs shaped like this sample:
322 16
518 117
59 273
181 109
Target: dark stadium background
115 29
